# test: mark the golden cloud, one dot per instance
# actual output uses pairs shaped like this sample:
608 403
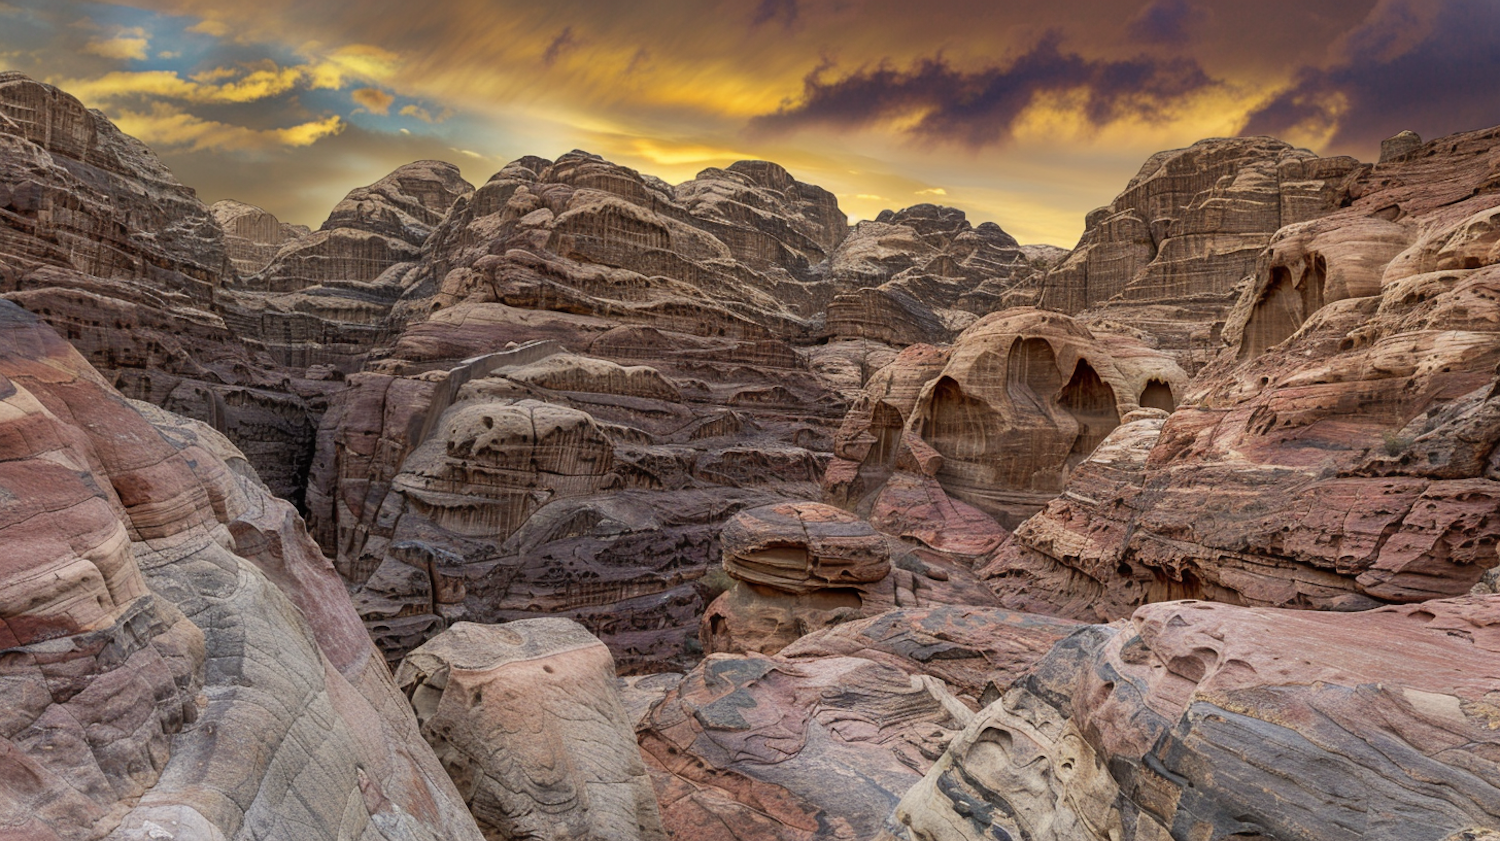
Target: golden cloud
127 45
168 127
374 100
207 87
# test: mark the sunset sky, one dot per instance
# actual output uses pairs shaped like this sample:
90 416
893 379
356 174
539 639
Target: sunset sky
1027 113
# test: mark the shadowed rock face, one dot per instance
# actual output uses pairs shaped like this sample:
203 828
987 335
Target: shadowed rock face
923 274
656 390
1198 720
526 719
1167 254
98 238
1001 419
179 656
1339 453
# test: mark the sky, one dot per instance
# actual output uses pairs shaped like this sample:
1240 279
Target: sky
1028 113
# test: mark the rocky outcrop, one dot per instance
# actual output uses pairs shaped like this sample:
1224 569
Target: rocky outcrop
1167 254
1340 453
180 659
923 274
1201 720
526 719
252 237
655 391
98 238
1023 397
754 748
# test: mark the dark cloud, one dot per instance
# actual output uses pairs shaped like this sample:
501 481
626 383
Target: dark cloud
1166 22
978 108
1398 72
564 42
768 11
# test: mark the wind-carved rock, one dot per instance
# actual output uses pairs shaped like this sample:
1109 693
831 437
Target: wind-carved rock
1339 453
799 567
1000 420
657 325
252 236
1167 255
526 719
1200 720
923 274
180 659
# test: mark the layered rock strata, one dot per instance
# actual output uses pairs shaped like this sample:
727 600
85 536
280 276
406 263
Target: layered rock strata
526 719
1200 720
1340 453
1166 256
923 274
180 659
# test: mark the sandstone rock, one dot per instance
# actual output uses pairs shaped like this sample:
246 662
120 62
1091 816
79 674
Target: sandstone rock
1026 395
1202 720
921 274
1399 146
101 240
751 747
975 651
1337 454
252 237
660 320
526 719
180 657
1166 255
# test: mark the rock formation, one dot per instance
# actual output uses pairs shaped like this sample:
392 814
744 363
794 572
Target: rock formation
98 238
923 274
751 748
252 237
1021 399
1339 453
656 390
179 658
1200 720
526 720
1167 254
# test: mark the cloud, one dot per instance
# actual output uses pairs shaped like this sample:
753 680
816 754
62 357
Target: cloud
1166 22
1427 66
167 127
932 191
374 100
564 42
215 86
769 11
416 111
128 45
210 27
934 100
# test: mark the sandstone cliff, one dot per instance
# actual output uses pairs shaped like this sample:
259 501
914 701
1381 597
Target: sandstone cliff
180 658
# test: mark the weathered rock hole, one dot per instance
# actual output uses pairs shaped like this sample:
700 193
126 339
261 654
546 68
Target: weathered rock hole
1157 395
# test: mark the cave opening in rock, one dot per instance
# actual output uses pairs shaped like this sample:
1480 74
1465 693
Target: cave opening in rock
1031 373
1091 402
1157 395
1284 307
886 424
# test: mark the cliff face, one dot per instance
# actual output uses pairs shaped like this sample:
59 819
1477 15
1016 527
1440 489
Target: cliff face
1167 255
179 656
1339 453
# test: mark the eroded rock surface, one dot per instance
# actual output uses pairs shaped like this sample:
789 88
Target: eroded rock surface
526 719
1200 720
180 658
1167 254
1340 453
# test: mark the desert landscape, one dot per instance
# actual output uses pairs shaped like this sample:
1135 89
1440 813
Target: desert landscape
580 504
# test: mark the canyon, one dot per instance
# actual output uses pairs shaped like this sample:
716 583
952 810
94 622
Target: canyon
577 504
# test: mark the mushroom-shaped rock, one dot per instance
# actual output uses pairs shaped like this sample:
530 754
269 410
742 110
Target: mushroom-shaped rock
802 547
527 720
799 566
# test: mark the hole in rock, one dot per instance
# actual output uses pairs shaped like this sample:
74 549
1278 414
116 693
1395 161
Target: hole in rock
1157 395
1091 402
